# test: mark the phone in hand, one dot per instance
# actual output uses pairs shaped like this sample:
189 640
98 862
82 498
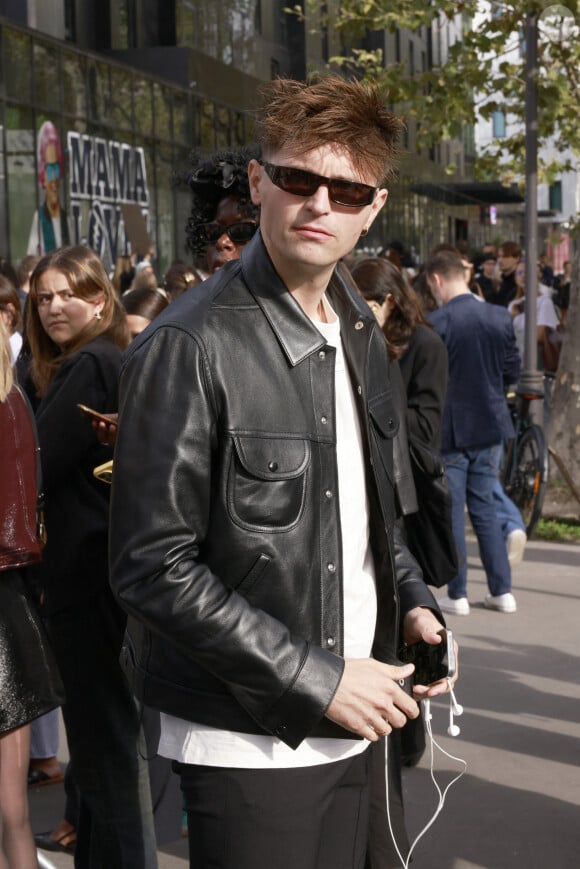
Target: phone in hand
432 662
91 414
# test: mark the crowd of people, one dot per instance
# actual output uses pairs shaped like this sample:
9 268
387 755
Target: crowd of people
236 603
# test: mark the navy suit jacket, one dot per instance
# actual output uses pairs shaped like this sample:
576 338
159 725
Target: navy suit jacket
483 361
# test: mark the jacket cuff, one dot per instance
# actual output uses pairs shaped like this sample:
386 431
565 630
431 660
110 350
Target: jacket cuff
305 702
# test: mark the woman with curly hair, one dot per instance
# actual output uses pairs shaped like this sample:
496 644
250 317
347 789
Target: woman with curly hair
223 217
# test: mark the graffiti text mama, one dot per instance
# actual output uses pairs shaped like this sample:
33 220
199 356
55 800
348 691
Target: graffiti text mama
105 170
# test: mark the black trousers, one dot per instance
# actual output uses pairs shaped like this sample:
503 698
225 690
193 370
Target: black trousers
311 817
115 824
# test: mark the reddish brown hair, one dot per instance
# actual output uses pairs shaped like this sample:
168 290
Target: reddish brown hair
301 116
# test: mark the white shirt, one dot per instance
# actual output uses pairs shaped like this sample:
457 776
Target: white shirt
545 316
192 743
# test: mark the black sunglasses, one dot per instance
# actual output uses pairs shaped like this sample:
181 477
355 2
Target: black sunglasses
302 183
239 233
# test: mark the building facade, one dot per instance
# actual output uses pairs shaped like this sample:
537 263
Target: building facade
125 88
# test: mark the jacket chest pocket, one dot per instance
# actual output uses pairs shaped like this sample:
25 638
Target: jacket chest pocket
267 482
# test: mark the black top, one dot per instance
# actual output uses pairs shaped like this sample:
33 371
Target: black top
507 291
74 565
424 370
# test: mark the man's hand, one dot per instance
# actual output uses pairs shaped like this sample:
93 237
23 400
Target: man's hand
421 623
369 700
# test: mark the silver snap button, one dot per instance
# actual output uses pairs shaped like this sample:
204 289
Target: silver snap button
323 420
359 390
328 494
331 567
272 466
331 642
322 355
359 325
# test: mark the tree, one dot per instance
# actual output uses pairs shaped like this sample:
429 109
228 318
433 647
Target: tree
564 432
483 73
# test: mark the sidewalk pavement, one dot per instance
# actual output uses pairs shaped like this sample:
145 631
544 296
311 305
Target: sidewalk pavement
518 804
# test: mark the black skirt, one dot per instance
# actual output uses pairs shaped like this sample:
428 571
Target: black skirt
30 683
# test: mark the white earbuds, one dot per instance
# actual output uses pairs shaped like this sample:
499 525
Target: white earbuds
454 709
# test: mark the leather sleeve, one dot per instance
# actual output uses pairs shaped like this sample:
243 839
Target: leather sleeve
162 490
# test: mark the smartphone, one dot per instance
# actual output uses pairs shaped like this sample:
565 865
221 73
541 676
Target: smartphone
432 662
91 414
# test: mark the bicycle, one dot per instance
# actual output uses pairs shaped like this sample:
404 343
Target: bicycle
525 470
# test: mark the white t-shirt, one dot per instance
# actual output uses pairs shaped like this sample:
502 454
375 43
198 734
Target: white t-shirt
15 345
545 316
194 743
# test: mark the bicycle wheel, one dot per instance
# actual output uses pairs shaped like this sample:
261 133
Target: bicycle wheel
530 473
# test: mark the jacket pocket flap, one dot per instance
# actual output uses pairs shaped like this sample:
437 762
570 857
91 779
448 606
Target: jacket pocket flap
383 415
271 458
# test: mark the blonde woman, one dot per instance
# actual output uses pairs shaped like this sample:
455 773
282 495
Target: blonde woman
29 682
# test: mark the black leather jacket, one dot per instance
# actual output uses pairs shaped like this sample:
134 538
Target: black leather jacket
225 531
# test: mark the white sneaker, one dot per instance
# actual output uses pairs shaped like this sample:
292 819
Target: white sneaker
503 603
516 543
458 607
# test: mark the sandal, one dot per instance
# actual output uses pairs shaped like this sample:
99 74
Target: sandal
37 778
65 843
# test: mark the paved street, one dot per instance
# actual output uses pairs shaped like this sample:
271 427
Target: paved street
518 805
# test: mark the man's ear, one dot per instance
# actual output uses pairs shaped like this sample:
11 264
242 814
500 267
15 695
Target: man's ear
377 203
254 177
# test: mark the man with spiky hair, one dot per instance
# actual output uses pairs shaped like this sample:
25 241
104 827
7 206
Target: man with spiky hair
254 506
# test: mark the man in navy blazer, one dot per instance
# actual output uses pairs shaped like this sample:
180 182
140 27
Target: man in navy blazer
483 360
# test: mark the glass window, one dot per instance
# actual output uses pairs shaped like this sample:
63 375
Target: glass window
46 77
498 124
74 76
98 92
143 103
121 98
223 127
556 196
181 116
23 189
17 65
206 122
164 207
238 128
162 98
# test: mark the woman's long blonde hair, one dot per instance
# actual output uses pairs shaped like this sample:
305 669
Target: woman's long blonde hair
87 278
6 373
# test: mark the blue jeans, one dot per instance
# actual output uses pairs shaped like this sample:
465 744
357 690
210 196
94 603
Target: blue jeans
508 514
472 475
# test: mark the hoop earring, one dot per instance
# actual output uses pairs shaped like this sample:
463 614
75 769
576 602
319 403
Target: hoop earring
364 232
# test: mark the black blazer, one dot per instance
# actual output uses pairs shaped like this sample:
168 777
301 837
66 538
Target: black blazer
483 360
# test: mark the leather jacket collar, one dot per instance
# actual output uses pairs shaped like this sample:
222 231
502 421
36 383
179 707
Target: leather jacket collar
297 334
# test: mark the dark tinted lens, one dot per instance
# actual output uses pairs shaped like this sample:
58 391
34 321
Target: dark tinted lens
299 182
240 233
350 193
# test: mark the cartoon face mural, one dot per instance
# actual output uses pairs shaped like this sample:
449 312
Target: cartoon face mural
104 176
49 227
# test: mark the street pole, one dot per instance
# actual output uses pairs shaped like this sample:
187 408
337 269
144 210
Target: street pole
531 377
